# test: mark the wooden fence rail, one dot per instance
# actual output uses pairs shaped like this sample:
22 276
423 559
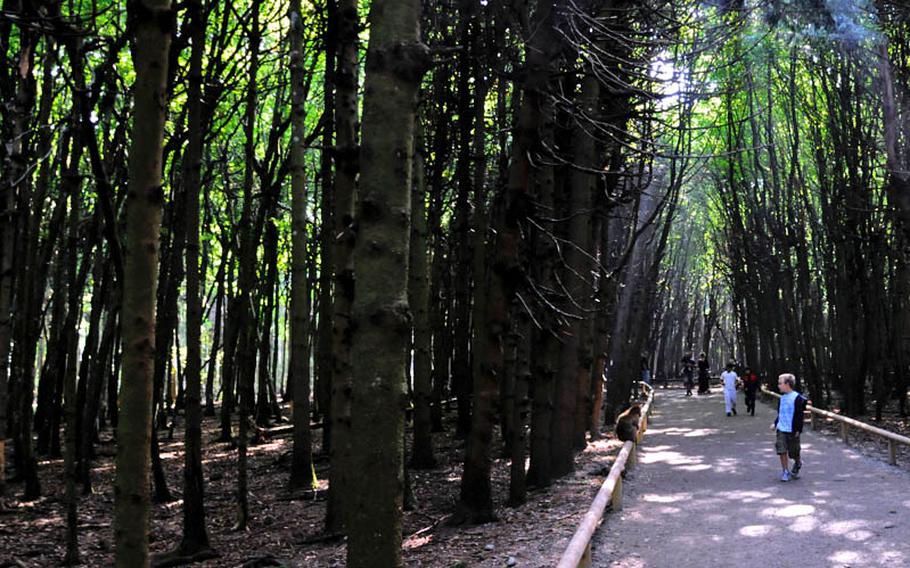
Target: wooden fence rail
578 553
846 423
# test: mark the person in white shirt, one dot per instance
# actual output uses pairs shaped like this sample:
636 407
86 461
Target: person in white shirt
729 378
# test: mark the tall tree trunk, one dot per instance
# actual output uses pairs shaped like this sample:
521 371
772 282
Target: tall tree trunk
302 460
100 372
229 365
14 190
195 540
396 61
216 335
246 350
581 233
418 298
522 411
69 381
143 224
270 259
461 245
346 168
7 273
323 339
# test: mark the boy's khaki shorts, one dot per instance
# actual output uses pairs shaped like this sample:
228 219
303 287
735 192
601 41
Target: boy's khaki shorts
788 444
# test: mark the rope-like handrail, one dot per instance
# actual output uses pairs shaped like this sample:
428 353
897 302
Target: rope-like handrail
578 553
846 423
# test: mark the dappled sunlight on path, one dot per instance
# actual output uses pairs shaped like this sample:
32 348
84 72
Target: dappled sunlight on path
706 493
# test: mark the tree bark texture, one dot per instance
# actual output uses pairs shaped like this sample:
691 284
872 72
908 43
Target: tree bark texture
396 61
346 169
143 223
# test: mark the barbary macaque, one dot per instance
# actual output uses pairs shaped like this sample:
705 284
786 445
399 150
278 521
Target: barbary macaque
627 423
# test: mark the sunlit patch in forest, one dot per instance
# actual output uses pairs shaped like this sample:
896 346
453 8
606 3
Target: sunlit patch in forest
669 456
685 432
804 524
746 496
666 498
629 562
846 557
728 465
696 467
842 528
757 530
788 511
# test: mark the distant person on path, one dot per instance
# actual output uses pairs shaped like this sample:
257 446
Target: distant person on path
729 378
688 374
750 386
789 425
703 378
645 369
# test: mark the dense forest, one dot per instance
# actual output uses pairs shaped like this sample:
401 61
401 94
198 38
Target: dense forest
370 224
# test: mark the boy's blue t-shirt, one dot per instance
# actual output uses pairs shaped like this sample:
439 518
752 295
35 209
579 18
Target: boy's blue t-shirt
785 413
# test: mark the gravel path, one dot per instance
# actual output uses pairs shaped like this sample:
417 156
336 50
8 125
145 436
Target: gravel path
706 494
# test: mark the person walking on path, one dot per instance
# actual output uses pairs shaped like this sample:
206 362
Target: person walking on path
750 387
688 374
645 369
729 378
789 425
703 377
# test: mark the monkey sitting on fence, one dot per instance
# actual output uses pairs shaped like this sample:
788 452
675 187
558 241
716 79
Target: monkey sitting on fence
627 423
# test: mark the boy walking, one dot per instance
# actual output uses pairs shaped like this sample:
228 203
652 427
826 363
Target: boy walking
688 374
750 387
729 378
789 425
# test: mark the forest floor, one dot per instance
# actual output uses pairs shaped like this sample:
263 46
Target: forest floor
707 493
533 535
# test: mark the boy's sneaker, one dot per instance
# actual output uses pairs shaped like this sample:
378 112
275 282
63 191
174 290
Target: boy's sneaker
794 473
734 411
785 475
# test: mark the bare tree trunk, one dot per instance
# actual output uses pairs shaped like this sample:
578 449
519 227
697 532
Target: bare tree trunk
418 298
270 259
522 411
302 474
69 380
13 190
323 332
396 61
246 350
143 223
7 272
346 169
216 335
195 541
461 241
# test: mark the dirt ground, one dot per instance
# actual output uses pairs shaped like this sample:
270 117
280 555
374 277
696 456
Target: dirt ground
707 493
289 531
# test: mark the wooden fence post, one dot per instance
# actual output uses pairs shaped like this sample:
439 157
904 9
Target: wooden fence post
617 495
892 451
585 561
844 430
